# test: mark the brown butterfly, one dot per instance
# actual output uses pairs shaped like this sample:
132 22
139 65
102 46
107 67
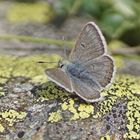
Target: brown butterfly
89 69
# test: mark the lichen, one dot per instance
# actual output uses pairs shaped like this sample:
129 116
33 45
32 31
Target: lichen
50 91
126 88
11 116
107 137
30 68
123 93
6 67
133 117
54 117
11 66
1 128
2 93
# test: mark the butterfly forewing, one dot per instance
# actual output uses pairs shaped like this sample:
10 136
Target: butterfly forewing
60 78
89 45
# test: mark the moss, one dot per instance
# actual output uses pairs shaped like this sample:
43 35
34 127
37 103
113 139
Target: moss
30 12
11 116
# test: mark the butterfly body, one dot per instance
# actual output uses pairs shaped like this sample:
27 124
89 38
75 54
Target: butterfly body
88 69
78 72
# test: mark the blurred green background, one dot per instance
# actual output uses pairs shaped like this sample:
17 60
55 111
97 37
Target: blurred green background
118 19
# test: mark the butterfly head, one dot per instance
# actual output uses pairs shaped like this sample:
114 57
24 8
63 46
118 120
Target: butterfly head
62 63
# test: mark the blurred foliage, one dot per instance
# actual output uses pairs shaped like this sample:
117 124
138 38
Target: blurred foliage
30 12
115 17
38 40
29 1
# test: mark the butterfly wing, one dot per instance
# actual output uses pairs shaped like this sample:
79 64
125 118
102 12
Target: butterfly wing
102 68
89 45
59 77
85 92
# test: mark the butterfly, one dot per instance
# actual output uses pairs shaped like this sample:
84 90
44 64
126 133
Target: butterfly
88 69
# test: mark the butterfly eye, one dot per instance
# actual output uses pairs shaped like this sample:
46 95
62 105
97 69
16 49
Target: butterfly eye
61 65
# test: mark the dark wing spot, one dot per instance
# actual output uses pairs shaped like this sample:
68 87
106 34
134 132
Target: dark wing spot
83 45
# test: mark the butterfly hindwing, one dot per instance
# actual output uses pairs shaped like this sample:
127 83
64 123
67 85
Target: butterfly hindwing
102 69
85 92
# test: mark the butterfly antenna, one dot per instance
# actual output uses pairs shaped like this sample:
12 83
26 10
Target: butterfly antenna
65 49
41 62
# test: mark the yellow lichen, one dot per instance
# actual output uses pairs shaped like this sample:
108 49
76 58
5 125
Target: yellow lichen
12 116
50 92
1 128
83 111
107 137
54 117
30 67
104 107
2 93
75 116
64 106
71 107
133 118
124 86
11 65
86 108
84 115
6 67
